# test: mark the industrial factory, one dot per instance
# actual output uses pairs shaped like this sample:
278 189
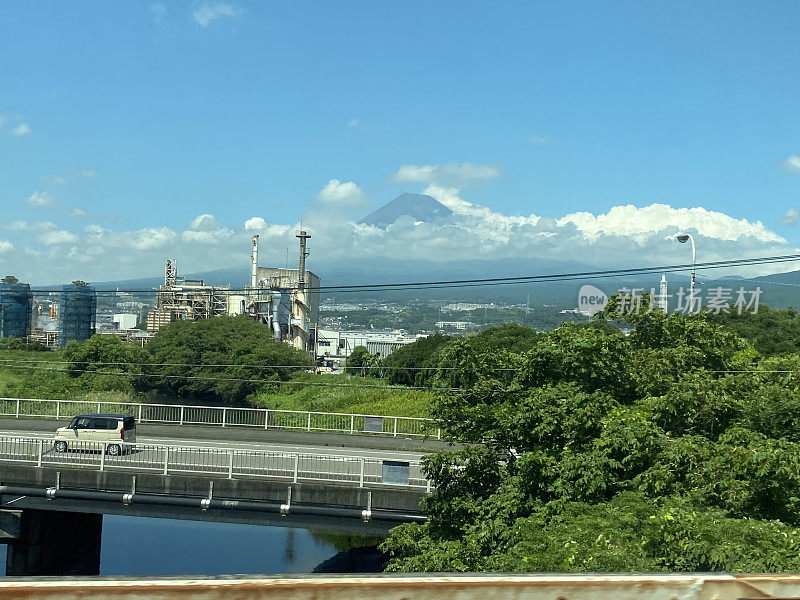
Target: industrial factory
286 300
72 317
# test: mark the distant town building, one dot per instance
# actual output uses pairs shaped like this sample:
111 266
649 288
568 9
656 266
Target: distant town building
457 325
465 306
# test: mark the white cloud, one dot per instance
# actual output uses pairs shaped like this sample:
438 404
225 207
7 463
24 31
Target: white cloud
205 229
42 198
791 164
6 246
259 225
255 224
538 139
207 237
622 235
55 180
790 217
208 12
25 226
88 173
77 212
353 123
21 130
642 223
16 226
151 238
338 193
205 222
449 175
54 238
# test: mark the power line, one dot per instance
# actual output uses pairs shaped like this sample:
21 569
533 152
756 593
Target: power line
201 365
245 380
332 384
459 283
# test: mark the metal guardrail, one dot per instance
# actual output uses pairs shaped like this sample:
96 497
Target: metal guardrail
227 462
221 416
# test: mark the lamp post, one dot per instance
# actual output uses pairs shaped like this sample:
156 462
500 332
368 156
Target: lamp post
683 238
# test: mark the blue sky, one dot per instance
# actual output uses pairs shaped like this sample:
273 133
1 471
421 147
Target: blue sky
138 116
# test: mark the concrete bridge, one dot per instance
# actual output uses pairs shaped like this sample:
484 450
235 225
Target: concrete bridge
52 502
336 471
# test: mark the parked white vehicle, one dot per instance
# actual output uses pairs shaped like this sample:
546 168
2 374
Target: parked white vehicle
117 431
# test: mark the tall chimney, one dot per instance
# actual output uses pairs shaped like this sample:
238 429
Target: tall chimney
301 276
254 263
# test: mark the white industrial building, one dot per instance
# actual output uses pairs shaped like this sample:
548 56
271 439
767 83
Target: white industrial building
125 321
341 343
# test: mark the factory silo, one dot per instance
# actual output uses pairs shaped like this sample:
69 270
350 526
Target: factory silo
16 304
77 313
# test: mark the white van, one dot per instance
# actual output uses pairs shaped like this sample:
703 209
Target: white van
98 428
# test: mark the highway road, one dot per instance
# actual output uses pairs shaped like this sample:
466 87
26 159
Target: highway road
257 446
322 442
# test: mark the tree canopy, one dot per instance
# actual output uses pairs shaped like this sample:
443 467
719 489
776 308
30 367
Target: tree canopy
243 353
675 447
413 364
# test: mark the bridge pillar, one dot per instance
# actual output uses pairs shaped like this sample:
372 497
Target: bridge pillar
55 543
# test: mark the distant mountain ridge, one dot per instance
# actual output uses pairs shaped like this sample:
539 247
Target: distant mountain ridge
419 207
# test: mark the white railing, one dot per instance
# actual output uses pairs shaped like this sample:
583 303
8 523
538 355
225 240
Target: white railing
221 416
199 460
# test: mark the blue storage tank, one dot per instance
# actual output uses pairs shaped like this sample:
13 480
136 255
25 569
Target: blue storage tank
77 312
16 304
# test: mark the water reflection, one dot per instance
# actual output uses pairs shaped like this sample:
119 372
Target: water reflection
145 546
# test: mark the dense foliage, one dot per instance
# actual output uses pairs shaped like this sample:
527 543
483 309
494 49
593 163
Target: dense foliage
415 363
224 358
596 451
771 331
361 362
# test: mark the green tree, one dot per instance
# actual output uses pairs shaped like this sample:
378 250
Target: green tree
771 332
360 362
104 362
595 451
414 364
9 279
509 336
221 359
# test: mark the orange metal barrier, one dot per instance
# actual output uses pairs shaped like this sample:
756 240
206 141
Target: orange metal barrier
437 587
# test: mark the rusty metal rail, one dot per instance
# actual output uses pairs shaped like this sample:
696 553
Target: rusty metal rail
419 587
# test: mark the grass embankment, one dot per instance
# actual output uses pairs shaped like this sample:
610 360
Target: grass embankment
43 375
337 393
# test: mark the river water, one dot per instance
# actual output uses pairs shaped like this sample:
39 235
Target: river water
145 546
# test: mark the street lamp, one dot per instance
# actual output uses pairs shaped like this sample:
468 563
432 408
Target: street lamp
683 238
